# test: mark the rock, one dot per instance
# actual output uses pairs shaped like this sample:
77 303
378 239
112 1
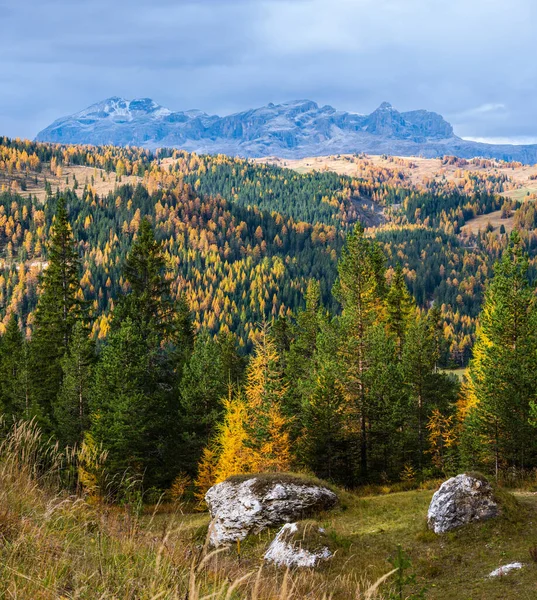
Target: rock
299 545
243 505
461 500
501 571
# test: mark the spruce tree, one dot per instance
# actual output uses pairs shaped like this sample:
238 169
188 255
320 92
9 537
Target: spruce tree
360 291
14 398
135 400
399 307
323 446
300 361
501 386
71 410
148 302
58 309
419 358
130 416
204 384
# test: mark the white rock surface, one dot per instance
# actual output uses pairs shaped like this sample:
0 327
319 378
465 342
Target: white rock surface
501 571
240 507
286 551
459 501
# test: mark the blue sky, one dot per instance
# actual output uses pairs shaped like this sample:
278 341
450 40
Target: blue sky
474 61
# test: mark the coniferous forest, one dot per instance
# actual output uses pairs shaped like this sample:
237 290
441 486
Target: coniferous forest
211 316
171 321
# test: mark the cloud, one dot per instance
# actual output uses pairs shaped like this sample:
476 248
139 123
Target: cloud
483 109
471 61
519 140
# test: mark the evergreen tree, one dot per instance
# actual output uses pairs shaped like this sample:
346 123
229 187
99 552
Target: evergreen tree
359 289
148 302
71 410
204 384
130 408
300 361
14 398
58 309
387 403
323 445
135 398
501 386
399 307
419 359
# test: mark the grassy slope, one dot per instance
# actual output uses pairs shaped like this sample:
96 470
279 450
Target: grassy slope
452 566
55 546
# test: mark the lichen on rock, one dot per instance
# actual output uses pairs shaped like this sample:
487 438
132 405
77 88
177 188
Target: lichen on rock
299 545
243 505
462 500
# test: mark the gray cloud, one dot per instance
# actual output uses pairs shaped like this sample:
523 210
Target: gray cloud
471 60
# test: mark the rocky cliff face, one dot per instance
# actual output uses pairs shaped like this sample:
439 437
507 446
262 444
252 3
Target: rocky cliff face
291 130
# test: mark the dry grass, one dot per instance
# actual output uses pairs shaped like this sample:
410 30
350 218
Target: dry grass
56 545
481 222
416 170
103 183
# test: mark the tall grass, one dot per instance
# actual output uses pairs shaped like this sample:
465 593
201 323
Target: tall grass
55 544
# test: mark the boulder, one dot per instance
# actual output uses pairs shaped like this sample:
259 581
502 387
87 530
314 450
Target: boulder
461 500
506 569
299 545
243 505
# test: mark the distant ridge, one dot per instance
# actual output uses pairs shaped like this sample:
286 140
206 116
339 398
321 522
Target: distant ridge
291 130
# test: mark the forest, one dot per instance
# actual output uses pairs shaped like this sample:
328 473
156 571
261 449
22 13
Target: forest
171 321
219 317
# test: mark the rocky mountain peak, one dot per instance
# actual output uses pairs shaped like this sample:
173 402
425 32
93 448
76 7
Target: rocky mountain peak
293 129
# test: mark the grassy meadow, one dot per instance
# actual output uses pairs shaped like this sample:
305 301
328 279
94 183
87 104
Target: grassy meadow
54 545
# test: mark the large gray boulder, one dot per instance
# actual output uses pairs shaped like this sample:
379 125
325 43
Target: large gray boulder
243 505
461 500
299 545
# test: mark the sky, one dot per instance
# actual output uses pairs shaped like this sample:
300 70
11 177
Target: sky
473 61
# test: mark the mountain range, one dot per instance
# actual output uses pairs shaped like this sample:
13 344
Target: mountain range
291 130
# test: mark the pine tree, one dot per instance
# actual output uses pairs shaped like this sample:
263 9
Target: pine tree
71 410
399 308
359 289
130 411
501 386
58 309
14 400
204 384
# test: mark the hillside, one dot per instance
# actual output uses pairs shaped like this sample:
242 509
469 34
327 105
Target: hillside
249 222
60 546
291 130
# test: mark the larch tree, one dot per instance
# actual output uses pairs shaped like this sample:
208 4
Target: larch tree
264 390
